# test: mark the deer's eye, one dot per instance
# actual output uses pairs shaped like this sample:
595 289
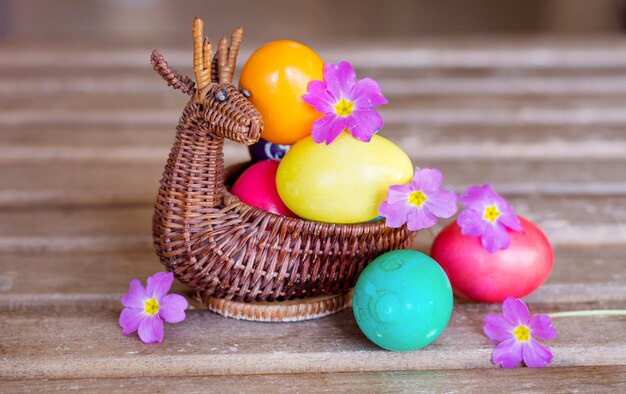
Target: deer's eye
245 92
221 96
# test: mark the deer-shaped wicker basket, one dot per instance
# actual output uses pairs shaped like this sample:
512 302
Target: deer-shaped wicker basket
237 257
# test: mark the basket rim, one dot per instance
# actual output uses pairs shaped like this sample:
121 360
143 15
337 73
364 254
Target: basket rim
230 200
375 226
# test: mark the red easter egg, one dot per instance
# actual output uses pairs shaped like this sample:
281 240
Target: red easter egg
256 186
490 277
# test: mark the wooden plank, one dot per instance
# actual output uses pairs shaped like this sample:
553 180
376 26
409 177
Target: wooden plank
163 110
64 230
487 111
527 53
96 281
571 221
520 380
76 280
89 345
140 143
121 183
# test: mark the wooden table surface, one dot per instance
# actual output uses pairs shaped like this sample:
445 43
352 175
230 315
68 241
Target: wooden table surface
84 136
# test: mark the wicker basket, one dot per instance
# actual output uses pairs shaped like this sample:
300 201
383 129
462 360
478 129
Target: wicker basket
236 257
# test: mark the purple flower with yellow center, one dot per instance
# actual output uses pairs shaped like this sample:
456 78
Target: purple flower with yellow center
488 216
146 308
516 331
345 103
419 203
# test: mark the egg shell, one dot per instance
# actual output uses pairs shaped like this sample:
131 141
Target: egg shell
343 182
256 186
490 277
402 300
265 150
277 75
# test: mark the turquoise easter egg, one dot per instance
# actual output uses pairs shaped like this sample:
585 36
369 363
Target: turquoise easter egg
402 300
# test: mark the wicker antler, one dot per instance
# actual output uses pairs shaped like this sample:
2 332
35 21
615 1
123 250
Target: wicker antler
225 60
201 55
227 71
171 76
222 59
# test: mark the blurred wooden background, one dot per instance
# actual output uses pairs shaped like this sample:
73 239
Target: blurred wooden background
322 21
527 95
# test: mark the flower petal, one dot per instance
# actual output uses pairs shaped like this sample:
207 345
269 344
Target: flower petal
159 284
151 329
399 193
327 129
442 203
364 123
471 223
541 327
319 98
536 355
136 295
497 327
427 180
509 219
340 79
495 237
508 353
131 319
366 94
347 78
172 308
515 311
395 214
475 197
420 218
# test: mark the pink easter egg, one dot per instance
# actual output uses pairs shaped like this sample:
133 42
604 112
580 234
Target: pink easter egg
476 274
256 186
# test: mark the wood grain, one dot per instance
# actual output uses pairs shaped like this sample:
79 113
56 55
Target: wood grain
521 380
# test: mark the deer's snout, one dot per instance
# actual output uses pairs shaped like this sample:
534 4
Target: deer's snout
254 133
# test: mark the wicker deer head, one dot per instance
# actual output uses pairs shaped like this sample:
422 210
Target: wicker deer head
218 107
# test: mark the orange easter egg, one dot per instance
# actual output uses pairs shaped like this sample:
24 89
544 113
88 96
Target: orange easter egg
276 76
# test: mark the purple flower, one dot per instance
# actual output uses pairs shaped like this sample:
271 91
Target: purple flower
419 203
146 308
515 330
345 103
487 215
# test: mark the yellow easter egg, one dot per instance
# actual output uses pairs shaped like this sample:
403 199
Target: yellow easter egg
343 182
